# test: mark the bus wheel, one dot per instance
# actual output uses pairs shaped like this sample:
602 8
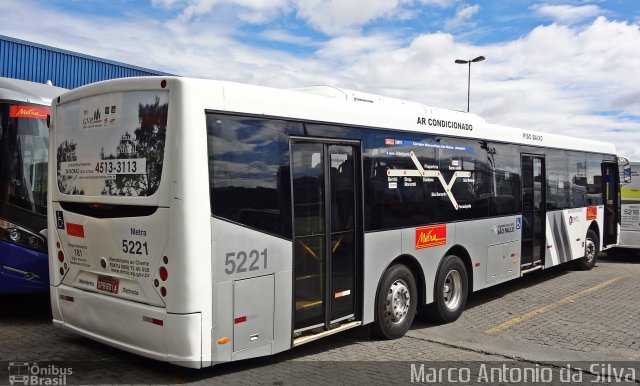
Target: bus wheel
590 251
396 302
451 290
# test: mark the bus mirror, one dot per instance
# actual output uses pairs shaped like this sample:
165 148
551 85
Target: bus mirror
626 169
627 174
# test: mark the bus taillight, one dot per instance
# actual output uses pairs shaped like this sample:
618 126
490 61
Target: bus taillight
164 274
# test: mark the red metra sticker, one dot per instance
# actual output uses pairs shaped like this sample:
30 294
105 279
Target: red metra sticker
28 112
76 230
431 236
592 212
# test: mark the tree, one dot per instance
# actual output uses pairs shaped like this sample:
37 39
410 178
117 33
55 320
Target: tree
66 152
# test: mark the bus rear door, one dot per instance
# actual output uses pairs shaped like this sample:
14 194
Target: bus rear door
611 191
533 212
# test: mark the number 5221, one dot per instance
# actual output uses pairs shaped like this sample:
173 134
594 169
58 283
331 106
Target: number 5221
239 262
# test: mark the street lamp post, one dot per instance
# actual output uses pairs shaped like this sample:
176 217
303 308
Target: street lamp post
460 61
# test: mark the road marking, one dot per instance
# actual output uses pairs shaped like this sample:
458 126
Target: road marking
543 309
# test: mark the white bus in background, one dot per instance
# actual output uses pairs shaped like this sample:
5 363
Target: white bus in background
630 210
197 221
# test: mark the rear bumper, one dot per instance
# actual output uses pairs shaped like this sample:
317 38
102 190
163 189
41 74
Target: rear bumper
22 270
129 325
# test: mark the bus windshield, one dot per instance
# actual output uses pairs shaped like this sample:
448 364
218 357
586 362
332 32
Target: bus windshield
23 171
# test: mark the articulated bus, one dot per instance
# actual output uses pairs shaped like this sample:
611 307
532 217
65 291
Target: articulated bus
630 209
24 148
197 221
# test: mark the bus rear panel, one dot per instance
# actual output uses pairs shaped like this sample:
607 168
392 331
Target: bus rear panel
114 269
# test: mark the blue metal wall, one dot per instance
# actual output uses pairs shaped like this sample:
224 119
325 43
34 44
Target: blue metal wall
20 59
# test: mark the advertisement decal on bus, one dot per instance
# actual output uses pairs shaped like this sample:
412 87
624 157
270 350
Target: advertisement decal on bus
112 145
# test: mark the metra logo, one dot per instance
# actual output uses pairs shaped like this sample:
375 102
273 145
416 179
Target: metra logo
431 236
592 213
28 112
574 219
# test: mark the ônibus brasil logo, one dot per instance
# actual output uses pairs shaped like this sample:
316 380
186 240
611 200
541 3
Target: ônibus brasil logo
24 373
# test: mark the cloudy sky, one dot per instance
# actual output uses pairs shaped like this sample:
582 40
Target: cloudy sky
569 67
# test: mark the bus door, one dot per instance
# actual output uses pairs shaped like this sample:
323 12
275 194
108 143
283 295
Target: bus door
533 211
326 202
611 191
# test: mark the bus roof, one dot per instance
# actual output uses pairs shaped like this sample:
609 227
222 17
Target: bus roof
485 130
25 91
333 105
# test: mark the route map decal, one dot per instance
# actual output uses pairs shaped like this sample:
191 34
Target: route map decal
420 172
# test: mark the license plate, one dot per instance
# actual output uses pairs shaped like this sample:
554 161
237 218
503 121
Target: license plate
108 284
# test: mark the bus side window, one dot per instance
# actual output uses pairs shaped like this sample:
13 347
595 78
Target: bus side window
505 197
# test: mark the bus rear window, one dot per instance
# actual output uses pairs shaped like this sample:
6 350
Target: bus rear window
112 144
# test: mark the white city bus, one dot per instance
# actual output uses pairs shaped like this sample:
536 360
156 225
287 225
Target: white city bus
197 221
630 209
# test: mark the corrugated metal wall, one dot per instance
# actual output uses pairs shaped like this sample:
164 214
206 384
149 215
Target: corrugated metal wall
20 59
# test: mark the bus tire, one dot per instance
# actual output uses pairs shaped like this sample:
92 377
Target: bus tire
396 302
450 293
591 251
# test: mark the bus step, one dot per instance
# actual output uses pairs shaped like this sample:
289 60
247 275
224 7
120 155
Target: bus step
534 268
309 338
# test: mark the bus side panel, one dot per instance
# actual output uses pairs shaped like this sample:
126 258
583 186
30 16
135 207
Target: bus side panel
558 249
478 237
493 245
566 232
429 253
240 254
190 234
600 222
379 249
185 157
